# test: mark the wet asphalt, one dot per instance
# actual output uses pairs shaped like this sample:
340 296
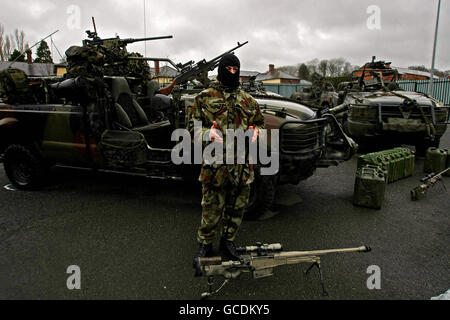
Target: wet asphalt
134 238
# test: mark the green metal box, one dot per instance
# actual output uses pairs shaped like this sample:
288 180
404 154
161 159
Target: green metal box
370 186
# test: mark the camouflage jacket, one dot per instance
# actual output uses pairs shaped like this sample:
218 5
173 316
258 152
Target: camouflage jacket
231 109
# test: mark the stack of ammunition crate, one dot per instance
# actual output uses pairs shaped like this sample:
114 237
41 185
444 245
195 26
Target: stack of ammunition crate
397 163
436 160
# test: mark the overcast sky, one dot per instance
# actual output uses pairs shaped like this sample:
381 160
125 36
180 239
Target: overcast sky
282 32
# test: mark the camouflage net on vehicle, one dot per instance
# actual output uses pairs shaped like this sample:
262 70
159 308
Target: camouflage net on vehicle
123 148
14 86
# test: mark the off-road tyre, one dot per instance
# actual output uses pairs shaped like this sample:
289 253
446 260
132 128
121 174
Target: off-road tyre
262 196
24 167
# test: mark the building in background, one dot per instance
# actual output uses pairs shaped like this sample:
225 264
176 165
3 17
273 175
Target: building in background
277 76
164 75
409 74
246 75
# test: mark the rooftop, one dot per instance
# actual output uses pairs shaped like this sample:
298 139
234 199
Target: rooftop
416 72
33 70
165 71
275 74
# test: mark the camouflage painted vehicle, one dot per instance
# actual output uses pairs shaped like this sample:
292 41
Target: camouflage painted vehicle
380 112
99 123
321 94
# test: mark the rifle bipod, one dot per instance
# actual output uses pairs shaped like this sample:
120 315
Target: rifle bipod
317 264
211 292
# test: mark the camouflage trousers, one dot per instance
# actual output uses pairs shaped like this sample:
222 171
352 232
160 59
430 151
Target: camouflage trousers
224 204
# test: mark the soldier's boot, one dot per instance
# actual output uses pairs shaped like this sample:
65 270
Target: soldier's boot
204 250
228 248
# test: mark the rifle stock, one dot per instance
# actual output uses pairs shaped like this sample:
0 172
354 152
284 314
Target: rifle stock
168 90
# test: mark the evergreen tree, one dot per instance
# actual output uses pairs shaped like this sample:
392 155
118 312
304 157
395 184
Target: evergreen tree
43 54
16 53
303 72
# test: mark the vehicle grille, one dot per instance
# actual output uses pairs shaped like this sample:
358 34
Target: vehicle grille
370 113
301 137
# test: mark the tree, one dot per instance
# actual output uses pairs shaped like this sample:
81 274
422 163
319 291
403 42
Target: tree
15 55
347 70
419 68
303 72
43 54
336 66
9 42
312 66
19 36
7 47
2 32
323 66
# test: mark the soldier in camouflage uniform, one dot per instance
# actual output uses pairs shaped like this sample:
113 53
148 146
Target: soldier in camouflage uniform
225 187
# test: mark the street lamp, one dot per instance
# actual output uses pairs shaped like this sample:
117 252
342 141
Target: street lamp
430 86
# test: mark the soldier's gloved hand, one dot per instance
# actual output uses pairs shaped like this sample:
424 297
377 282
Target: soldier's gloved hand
213 135
255 133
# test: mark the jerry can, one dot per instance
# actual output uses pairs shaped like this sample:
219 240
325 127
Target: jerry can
370 186
397 163
435 160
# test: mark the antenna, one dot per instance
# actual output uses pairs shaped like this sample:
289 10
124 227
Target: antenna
95 27
145 29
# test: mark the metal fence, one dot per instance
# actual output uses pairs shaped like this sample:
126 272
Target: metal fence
440 90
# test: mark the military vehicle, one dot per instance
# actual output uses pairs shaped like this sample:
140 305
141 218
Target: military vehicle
379 112
321 94
254 87
98 123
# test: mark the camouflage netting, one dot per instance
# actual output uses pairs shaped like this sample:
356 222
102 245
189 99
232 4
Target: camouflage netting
123 148
14 86
84 62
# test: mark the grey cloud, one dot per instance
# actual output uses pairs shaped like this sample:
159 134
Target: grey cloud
281 32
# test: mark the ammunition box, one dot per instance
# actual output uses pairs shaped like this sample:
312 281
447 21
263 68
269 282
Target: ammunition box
370 186
435 160
396 163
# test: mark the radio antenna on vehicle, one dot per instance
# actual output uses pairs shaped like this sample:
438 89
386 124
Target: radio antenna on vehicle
23 53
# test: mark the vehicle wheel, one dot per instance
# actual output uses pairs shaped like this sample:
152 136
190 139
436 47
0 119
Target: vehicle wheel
424 144
24 167
262 196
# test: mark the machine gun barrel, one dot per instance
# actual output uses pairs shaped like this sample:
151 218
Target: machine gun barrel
121 42
132 40
197 69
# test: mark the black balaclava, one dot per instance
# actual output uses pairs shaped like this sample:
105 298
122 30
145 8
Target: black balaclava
226 77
